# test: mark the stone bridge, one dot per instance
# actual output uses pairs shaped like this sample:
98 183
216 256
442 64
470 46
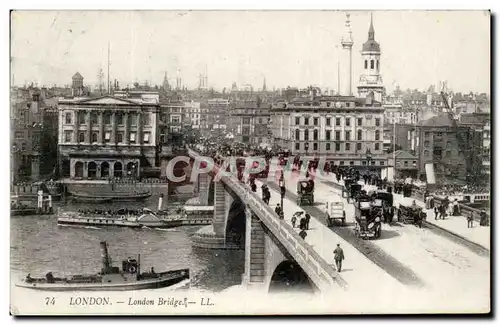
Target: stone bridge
275 256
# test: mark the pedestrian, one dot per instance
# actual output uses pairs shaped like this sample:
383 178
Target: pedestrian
302 223
339 257
484 218
308 218
294 220
303 234
470 221
278 210
436 212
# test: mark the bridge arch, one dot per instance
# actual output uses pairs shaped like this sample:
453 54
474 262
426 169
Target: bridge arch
289 276
236 225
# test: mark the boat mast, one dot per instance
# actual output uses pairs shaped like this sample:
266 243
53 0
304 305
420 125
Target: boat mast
138 265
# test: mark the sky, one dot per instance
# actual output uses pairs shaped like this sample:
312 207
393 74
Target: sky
287 48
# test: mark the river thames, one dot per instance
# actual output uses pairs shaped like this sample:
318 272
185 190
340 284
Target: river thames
40 245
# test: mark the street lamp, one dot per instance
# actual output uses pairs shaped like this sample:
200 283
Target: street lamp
306 146
282 192
368 157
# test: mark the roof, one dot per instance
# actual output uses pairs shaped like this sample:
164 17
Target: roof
401 154
371 45
439 120
77 76
474 118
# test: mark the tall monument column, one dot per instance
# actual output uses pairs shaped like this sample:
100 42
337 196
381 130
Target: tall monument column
347 43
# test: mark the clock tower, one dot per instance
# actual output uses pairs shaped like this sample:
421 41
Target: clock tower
370 81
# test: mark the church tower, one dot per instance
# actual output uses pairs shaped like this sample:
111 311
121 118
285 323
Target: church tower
370 80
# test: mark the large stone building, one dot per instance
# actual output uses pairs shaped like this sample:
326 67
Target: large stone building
107 136
344 129
218 114
249 121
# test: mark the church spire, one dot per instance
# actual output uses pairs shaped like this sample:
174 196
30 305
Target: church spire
371 31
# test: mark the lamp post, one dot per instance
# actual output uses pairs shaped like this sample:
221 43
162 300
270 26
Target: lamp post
306 146
368 157
282 192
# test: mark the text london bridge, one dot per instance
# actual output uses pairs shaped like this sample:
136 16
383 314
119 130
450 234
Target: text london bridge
105 301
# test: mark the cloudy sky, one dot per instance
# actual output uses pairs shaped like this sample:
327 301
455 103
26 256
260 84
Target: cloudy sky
296 48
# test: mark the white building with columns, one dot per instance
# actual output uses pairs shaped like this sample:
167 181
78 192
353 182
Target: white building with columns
106 137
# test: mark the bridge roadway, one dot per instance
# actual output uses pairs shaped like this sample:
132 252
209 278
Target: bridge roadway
321 273
411 255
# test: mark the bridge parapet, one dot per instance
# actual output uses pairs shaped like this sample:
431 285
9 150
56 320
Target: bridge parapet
319 271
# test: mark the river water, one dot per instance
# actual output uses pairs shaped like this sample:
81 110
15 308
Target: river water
39 245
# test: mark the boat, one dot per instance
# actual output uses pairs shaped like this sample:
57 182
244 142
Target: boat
95 200
121 218
111 278
111 196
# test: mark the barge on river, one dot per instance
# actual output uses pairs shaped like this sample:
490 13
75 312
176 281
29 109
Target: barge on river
109 196
110 278
127 218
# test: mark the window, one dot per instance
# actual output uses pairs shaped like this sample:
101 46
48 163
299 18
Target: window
119 137
69 116
94 137
360 121
119 119
19 135
382 163
175 119
363 163
426 153
448 153
377 135
328 104
297 120
351 163
426 143
337 121
360 135
328 146
81 117
306 120
347 146
366 64
133 119
132 137
337 147
372 64
337 135
348 121
162 138
107 119
146 119
297 146
439 134
377 146
246 120
23 146
297 134
342 163
107 137
377 122
347 135
358 146
315 135
316 121
378 64
406 163
327 121
373 162
93 118
306 135
67 136
260 120
426 134
81 137
414 163
315 146
328 134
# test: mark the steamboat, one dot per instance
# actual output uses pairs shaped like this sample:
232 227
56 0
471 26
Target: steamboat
111 278
143 218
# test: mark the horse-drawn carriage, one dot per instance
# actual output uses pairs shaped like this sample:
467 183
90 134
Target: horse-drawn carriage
351 188
305 192
335 211
412 214
368 214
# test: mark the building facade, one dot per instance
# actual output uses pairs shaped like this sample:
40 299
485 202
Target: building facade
218 114
344 129
406 164
249 122
106 137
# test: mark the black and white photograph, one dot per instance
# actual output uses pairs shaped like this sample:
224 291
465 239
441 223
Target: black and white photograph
250 162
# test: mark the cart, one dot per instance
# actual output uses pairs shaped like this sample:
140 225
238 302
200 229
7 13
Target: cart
335 211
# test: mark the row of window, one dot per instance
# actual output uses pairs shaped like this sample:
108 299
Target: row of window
338 146
328 135
246 120
94 118
372 64
315 121
68 135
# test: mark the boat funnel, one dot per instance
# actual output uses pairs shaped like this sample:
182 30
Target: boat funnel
105 257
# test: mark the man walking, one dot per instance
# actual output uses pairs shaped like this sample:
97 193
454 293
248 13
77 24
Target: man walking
308 218
470 221
278 210
339 257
